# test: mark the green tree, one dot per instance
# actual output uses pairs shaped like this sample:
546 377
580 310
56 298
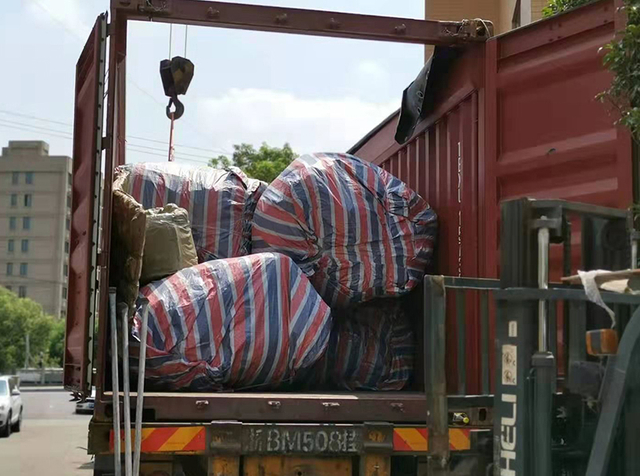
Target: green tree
559 6
56 342
622 58
265 164
19 317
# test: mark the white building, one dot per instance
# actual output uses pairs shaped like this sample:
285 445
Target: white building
35 219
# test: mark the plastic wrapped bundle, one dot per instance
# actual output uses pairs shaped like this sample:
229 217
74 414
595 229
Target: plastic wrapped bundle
220 203
247 322
356 230
371 348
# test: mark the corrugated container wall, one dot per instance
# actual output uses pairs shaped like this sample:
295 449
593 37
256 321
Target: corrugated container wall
518 117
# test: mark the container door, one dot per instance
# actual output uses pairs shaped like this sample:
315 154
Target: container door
85 210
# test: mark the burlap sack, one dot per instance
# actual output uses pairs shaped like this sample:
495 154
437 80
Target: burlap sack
168 245
127 244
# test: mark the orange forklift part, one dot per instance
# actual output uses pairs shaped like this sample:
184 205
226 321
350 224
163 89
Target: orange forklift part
602 342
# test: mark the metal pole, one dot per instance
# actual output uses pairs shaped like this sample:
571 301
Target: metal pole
172 149
42 369
26 351
543 283
114 382
436 376
127 397
544 365
140 393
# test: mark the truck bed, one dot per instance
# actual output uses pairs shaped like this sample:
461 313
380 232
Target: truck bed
333 407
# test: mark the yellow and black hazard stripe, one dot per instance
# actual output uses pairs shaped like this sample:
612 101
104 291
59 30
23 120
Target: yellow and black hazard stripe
178 439
417 439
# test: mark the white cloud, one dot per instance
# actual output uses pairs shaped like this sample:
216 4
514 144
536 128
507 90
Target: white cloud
372 70
309 125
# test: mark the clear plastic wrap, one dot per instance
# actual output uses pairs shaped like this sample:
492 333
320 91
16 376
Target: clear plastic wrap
239 323
372 347
220 203
355 230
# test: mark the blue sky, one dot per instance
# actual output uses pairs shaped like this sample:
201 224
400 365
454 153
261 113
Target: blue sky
319 94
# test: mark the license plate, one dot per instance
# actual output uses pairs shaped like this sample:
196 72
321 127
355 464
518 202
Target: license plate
302 440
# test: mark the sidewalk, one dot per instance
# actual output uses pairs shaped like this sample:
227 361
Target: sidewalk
42 388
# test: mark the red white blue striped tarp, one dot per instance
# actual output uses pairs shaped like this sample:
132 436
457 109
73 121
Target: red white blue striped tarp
356 230
371 348
253 321
220 203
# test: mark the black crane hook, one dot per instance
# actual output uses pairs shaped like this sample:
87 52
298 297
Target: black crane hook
176 75
179 110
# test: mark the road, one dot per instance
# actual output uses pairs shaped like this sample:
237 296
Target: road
53 439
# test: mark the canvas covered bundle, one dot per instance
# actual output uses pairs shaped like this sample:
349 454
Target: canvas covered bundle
249 322
220 203
372 347
357 231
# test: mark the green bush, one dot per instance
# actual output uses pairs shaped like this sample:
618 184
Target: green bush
622 58
22 316
559 6
265 164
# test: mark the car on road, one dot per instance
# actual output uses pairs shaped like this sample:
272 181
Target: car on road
10 406
86 405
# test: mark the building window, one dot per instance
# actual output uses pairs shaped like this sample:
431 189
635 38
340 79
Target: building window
14 199
28 198
24 246
516 18
9 269
68 201
11 246
23 269
70 179
68 224
22 291
12 223
26 223
15 178
64 293
28 178
66 270
66 246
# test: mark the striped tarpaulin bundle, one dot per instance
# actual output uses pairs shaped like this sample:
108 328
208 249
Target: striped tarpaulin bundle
372 347
356 230
238 323
220 203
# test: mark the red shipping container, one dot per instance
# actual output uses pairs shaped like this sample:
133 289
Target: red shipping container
518 116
